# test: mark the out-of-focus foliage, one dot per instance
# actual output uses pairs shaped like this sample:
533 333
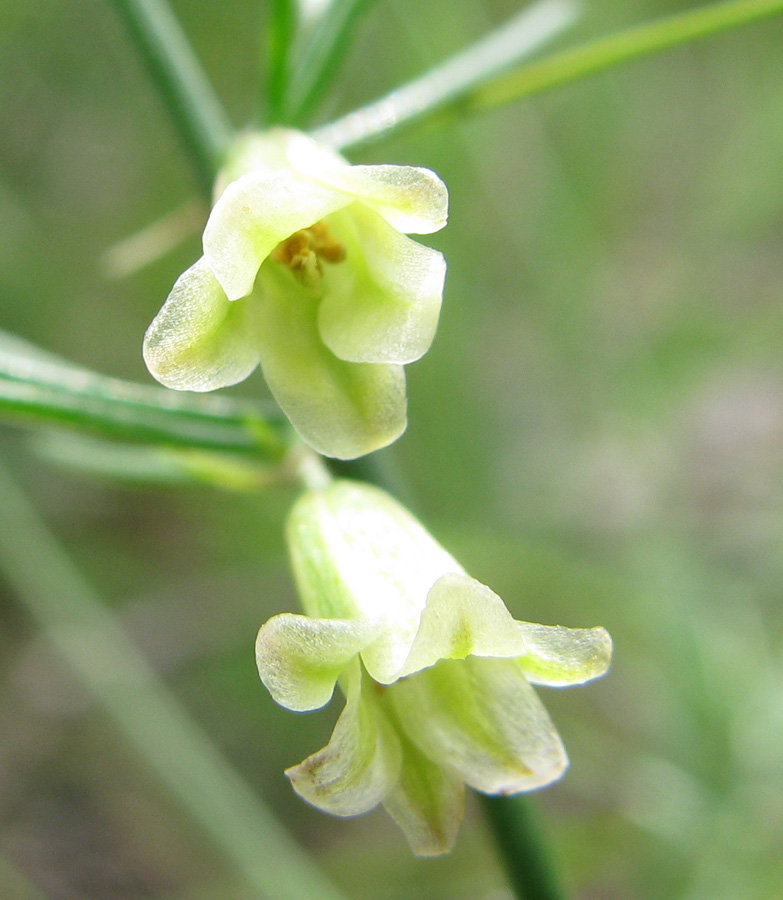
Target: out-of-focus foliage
597 432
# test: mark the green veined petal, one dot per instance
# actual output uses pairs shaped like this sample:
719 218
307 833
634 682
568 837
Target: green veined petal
299 659
357 553
559 656
382 303
462 617
200 341
361 762
308 157
412 200
341 409
253 215
481 718
428 803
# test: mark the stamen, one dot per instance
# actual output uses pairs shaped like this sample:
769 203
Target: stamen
325 244
305 250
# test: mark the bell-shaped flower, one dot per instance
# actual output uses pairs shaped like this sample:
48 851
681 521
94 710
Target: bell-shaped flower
307 270
436 673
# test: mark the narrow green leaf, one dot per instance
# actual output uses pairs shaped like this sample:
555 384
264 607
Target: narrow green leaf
280 35
643 40
319 59
195 110
39 388
461 86
159 465
456 78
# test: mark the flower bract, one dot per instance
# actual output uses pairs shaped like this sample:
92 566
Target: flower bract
308 270
436 673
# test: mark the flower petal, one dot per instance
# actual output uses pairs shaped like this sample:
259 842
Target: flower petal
299 659
428 803
481 718
254 151
361 762
412 200
383 302
308 157
357 553
462 618
341 409
199 341
559 656
253 215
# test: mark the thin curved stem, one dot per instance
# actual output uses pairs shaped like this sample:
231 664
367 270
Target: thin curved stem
521 846
195 110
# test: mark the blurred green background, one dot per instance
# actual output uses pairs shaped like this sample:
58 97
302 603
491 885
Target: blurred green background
597 433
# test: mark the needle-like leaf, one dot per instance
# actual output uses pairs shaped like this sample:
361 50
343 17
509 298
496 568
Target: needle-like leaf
478 78
320 56
40 388
280 35
195 110
456 78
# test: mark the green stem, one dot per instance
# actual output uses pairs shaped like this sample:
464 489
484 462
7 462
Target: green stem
643 40
422 98
145 711
280 34
320 58
183 85
521 846
38 388
450 81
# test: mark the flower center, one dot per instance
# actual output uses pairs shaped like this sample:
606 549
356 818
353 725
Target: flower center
305 250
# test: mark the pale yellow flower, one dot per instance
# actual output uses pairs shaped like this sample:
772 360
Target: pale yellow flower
307 270
437 674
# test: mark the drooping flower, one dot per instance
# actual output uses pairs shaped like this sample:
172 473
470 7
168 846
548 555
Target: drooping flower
436 673
307 270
